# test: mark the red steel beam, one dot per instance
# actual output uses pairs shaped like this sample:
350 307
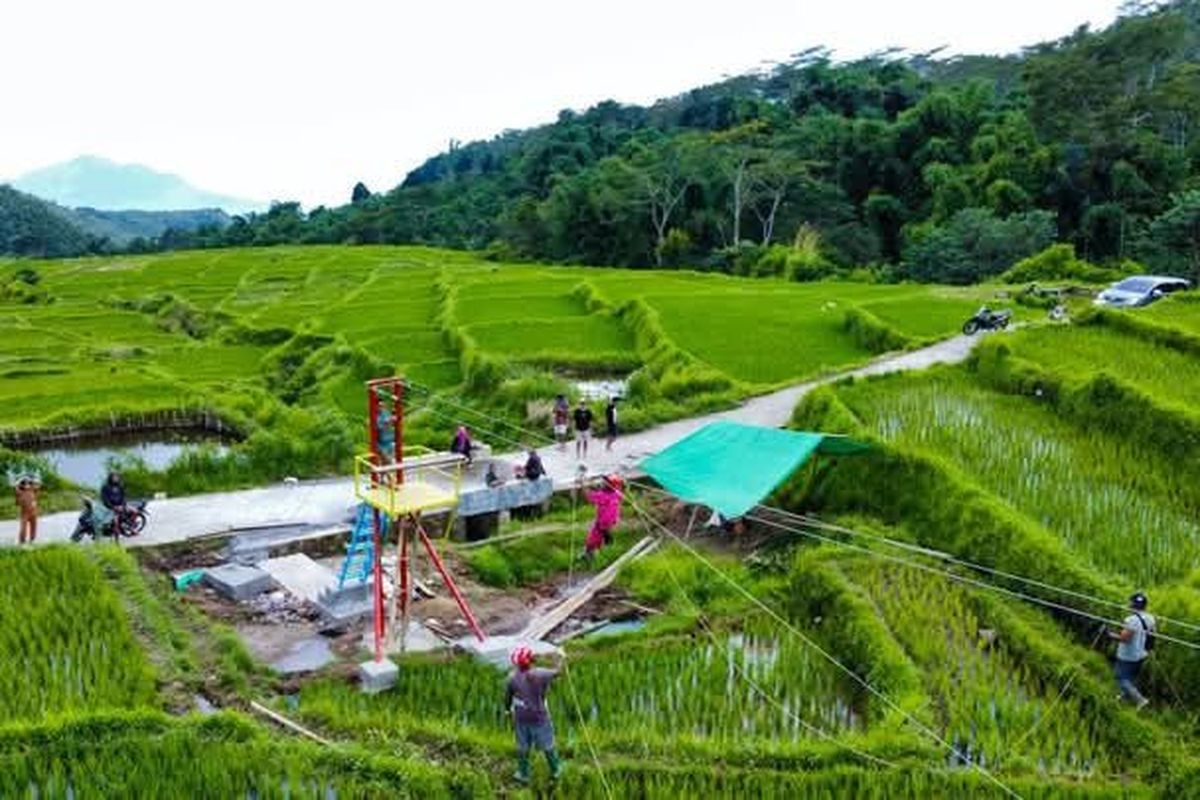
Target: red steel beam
448 579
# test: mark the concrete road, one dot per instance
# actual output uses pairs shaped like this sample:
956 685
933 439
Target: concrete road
329 502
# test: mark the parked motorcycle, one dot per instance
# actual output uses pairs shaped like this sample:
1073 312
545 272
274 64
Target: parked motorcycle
987 320
129 520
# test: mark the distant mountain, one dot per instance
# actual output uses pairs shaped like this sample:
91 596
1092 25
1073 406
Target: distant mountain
121 227
93 182
30 226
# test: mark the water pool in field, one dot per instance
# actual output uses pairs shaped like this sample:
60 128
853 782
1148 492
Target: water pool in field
85 461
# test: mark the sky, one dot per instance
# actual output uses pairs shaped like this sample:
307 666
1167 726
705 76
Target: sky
272 100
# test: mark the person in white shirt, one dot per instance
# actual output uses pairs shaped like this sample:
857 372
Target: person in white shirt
1134 644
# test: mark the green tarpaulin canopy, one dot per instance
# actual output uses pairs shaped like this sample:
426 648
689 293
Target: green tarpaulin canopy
732 467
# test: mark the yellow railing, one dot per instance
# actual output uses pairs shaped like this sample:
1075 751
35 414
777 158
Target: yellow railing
423 481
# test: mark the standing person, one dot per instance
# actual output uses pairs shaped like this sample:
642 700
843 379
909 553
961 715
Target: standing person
27 504
385 428
583 429
610 423
1136 640
462 443
526 700
562 415
607 501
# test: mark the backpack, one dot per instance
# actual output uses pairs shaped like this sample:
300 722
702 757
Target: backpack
1149 645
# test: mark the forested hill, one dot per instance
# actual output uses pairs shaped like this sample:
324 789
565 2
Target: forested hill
33 227
916 168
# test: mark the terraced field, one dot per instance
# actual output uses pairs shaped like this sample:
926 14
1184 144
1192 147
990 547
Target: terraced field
279 341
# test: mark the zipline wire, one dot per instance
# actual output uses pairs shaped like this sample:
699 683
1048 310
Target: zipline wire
832 659
904 545
583 727
754 685
806 519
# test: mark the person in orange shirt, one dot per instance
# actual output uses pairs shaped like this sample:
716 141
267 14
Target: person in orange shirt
27 496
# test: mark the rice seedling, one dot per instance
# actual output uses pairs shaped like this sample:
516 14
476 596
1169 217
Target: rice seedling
66 640
1083 350
989 705
1115 502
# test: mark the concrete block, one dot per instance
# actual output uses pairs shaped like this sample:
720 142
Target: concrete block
346 605
377 676
301 576
420 640
238 582
497 650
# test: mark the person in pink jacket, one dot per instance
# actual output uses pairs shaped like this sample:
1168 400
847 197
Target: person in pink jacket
607 500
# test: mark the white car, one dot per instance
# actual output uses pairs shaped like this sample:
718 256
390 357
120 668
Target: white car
1140 290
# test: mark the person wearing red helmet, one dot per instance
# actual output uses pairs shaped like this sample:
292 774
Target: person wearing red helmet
607 500
526 699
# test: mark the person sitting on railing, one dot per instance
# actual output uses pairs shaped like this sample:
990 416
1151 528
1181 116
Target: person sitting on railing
462 443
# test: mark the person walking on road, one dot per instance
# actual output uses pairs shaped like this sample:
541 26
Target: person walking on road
1135 641
562 417
526 700
610 423
607 500
583 429
27 490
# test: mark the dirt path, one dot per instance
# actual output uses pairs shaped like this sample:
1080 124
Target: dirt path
330 502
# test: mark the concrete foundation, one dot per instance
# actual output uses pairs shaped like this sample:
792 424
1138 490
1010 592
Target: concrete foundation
377 676
420 640
239 582
301 576
347 605
497 650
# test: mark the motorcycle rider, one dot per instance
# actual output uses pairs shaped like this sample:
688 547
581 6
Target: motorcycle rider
112 495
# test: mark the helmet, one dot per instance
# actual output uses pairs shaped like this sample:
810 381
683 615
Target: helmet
615 481
522 657
1139 601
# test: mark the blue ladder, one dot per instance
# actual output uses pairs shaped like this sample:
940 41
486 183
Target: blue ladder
360 551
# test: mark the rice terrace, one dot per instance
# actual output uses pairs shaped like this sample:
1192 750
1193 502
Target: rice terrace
827 430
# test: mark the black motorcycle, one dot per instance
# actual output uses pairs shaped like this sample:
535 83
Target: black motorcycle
987 320
129 520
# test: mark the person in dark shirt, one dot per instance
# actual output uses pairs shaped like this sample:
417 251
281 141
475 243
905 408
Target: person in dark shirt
610 423
583 429
534 468
112 493
525 698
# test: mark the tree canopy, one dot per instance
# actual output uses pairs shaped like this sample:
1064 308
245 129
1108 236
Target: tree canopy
916 167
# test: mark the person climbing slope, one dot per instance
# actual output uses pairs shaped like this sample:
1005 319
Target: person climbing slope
526 700
1136 640
607 500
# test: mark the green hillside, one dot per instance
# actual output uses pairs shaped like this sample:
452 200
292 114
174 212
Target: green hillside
35 228
945 171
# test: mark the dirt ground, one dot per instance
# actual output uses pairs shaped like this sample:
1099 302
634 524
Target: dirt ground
275 623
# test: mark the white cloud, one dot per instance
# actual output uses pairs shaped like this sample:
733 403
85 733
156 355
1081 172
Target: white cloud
269 99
